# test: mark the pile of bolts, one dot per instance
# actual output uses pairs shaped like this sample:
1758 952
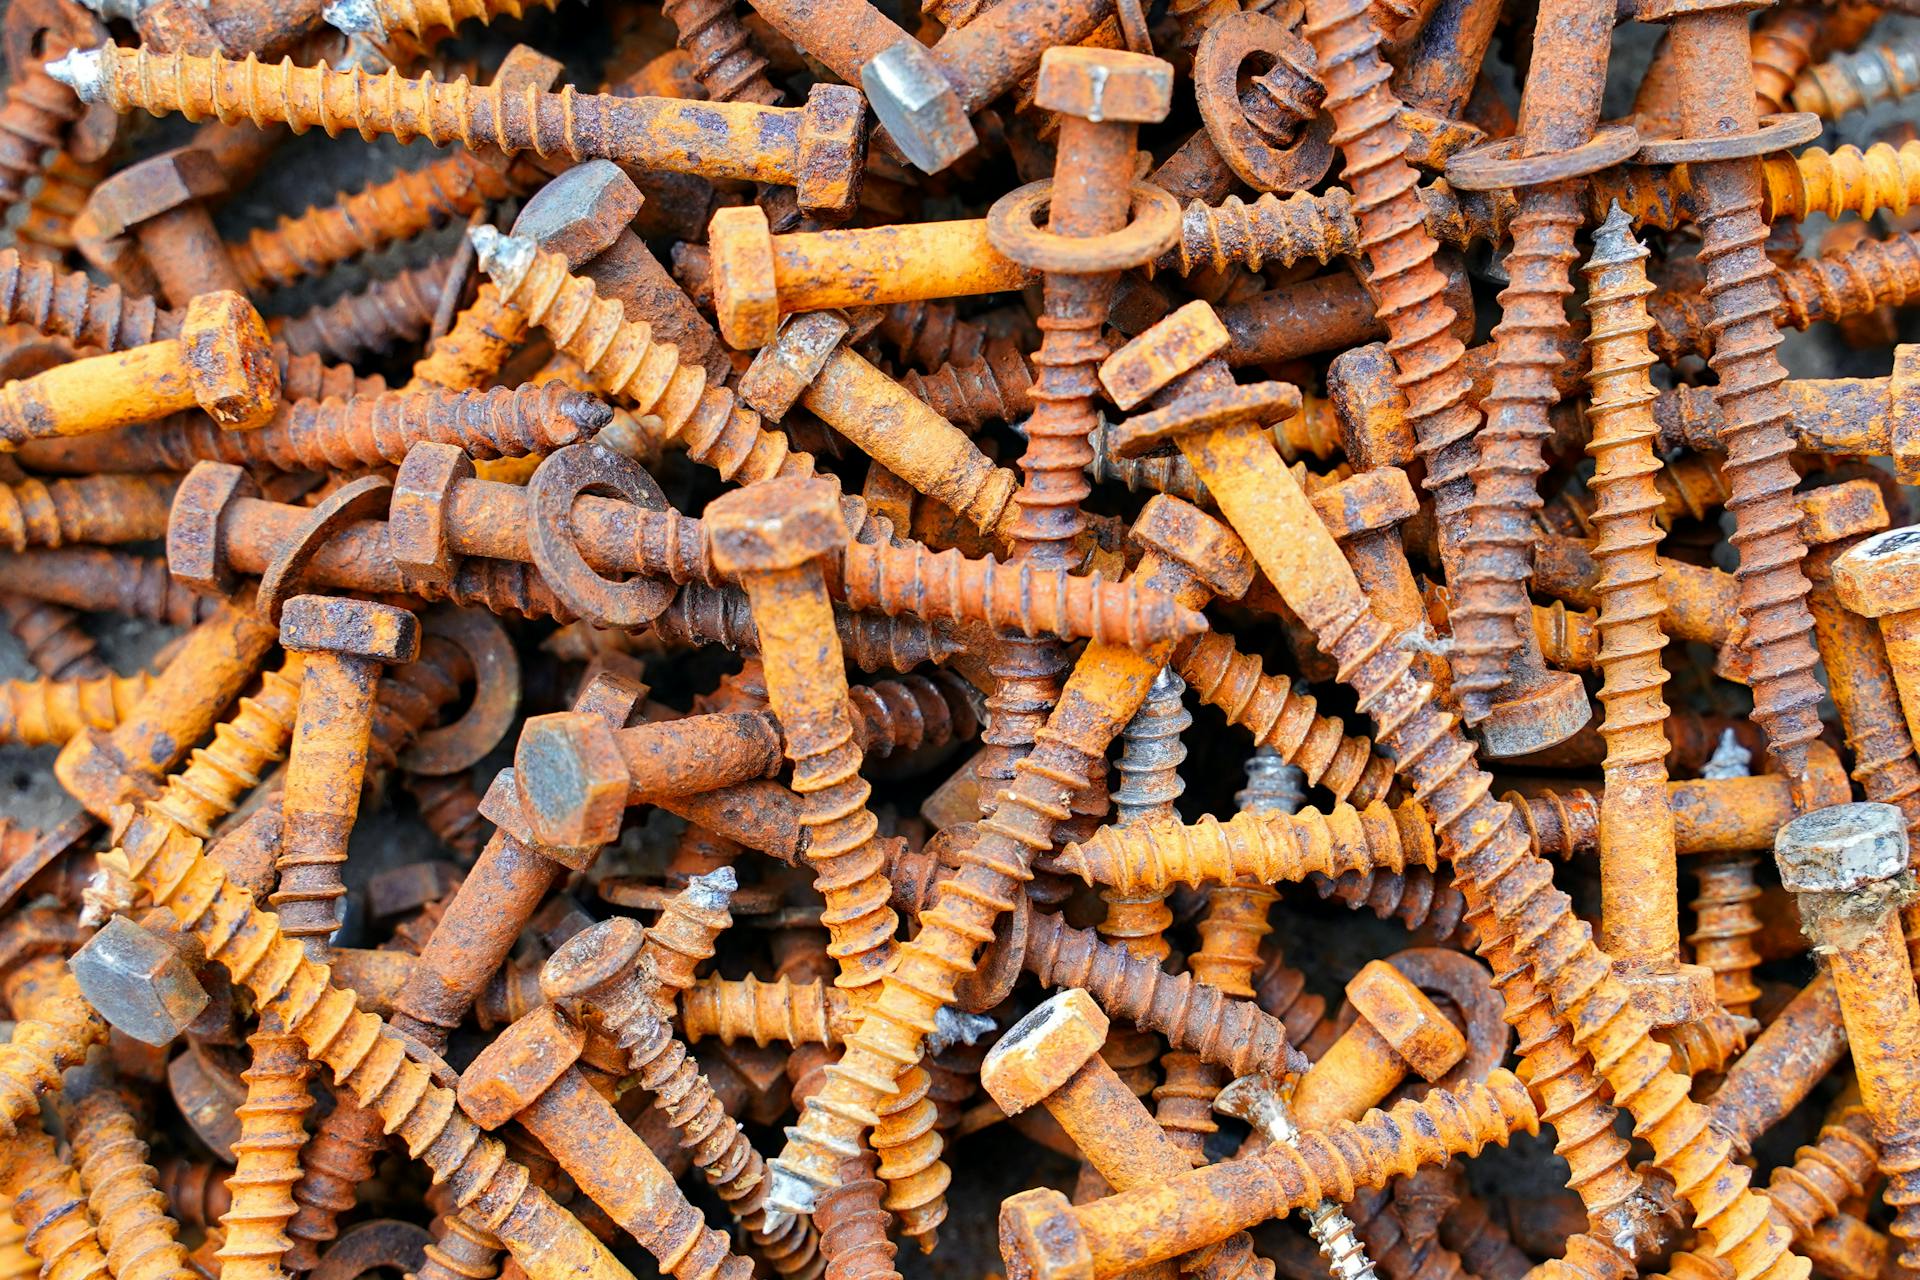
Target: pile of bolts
667 738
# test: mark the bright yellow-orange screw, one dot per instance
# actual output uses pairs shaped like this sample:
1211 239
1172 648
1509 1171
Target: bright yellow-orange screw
38 713
58 1231
131 1212
266 1157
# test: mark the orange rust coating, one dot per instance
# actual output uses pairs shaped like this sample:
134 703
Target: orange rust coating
712 139
54 1028
140 1237
468 356
1825 1175
778 1012
1360 1069
266 1157
46 712
1700 602
94 509
1710 815
97 394
39 1185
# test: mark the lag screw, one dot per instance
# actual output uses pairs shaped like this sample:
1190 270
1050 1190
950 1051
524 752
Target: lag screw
267 1158
59 1233
134 1228
1854 81
47 712
387 313
160 204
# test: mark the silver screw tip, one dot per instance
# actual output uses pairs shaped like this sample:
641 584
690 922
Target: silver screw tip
1613 238
714 890
351 17
953 1026
503 257
1729 759
82 70
787 1191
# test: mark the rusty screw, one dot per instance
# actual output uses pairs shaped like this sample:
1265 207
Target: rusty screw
346 642
161 204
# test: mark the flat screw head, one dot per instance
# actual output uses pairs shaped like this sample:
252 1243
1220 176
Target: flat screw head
746 293
1104 84
1841 848
138 982
230 362
833 150
196 551
775 525
1041 1052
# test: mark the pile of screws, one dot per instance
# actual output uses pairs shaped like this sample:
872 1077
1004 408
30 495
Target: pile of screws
872 550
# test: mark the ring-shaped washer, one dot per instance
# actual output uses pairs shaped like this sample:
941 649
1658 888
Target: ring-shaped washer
364 499
496 694
1776 133
1468 985
380 1245
1498 166
551 492
1254 159
1153 225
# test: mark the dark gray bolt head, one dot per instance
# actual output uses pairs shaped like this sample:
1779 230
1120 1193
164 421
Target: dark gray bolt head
1841 848
911 97
138 982
580 213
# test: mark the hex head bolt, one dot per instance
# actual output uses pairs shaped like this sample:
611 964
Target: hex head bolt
161 203
1188 554
601 977
586 216
1042 1237
1847 864
1874 580
222 362
1216 426
818 149
808 362
1051 1058
758 277
502 890
528 1074
1399 1033
347 642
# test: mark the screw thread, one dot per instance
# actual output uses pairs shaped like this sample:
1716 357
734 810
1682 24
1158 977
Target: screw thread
929 333
907 1141
1783 41
1705 1046
1870 275
336 1160
1183 1102
474 349
46 1201
682 939
217 775
419 17
15 1262
1849 82
700 614
1377 1229
368 1061
1491 610
1900 1162
905 714
52 639
109 582
385 314
849 864
129 1211
196 1189
1237 920
1281 990
37 112
1276 229
47 1039
976 392
67 304
461 1251
1416 897
1280 715
1626 504
266 1157
778 1012
450 808
1742 297
625 361
725 61
1725 926
1398 247
88 509
408 698
65 185
1825 1174
1843 180
38 713
308 377
382 213
1251 846
1238 1035
853 1225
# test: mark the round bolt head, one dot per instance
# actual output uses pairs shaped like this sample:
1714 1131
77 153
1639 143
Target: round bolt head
1840 511
746 297
572 780
1040 1240
1537 718
350 627
521 1064
581 213
146 190
138 982
1881 576
1041 1052
783 370
417 511
1841 848
1176 345
916 105
1187 535
1104 84
1406 1019
196 551
833 150
595 958
775 525
230 362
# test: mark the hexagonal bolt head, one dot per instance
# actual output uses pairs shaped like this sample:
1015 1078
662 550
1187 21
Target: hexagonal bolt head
1104 84
1041 1052
833 150
746 292
1841 848
196 551
1041 1240
787 366
1881 576
417 512
521 1064
912 99
1187 535
775 525
572 780
1903 412
1406 1019
581 213
230 363
349 627
138 982
1177 345
1841 511
142 192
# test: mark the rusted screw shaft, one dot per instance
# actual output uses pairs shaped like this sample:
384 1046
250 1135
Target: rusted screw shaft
35 713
